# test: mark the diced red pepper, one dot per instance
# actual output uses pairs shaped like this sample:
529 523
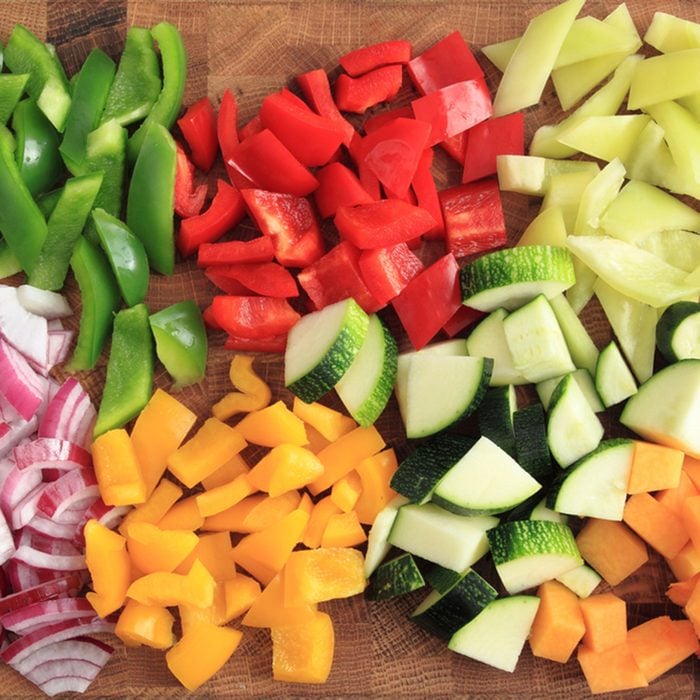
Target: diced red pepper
423 185
275 343
225 211
292 224
254 126
429 300
374 122
490 138
338 186
464 317
267 278
408 196
368 179
209 320
455 146
383 223
226 284
264 162
359 94
474 220
256 250
317 90
337 276
386 271
227 127
189 199
253 317
198 126
368 58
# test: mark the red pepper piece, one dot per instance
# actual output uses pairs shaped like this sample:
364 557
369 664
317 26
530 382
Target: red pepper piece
256 250
225 211
455 146
368 179
383 223
264 162
317 91
368 58
292 224
268 278
489 139
408 196
338 186
253 317
359 94
226 284
423 186
189 199
373 123
448 61
337 276
209 320
274 343
429 300
227 127
386 271
254 126
464 317
198 126
474 220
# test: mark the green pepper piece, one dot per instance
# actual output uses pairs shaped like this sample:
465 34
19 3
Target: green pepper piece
129 380
21 221
89 96
2 55
47 84
47 202
65 225
11 89
165 110
9 265
181 342
126 255
151 199
137 83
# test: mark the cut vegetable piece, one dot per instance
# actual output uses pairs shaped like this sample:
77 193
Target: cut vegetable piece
532 174
667 33
614 381
605 617
655 468
582 348
613 669
495 417
394 578
531 449
565 192
678 331
597 196
583 378
678 248
656 524
378 539
582 580
665 77
547 228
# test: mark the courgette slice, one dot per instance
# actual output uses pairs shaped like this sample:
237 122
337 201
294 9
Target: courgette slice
378 538
614 381
678 331
495 416
532 450
395 578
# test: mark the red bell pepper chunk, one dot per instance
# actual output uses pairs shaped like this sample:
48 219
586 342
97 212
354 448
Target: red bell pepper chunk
209 320
198 126
490 138
189 199
274 344
338 186
368 179
359 94
254 126
368 58
227 127
429 300
317 91
337 276
267 279
264 162
474 220
226 284
253 317
225 211
291 223
423 186
455 146
256 250
383 223
464 317
374 122
386 271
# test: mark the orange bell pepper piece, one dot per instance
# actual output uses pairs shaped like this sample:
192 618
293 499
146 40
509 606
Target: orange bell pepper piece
269 609
320 515
215 551
316 441
346 491
254 513
222 497
375 477
343 530
285 467
152 549
226 472
252 395
306 504
196 588
117 469
148 625
273 426
239 594
184 515
330 423
162 498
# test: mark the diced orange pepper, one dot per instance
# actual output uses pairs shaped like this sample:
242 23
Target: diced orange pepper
220 498
196 588
271 426
158 431
226 472
109 565
320 515
191 615
152 549
215 551
375 476
210 447
184 515
285 467
252 395
239 594
343 530
117 469
306 504
269 609
316 441
150 625
330 423
346 491
264 512
162 498
201 652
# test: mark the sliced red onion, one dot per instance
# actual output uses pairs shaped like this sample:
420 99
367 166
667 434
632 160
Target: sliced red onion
51 528
25 331
23 388
7 542
45 612
44 552
27 508
42 302
70 415
19 429
23 576
16 485
109 516
54 324
75 488
61 584
51 453
59 346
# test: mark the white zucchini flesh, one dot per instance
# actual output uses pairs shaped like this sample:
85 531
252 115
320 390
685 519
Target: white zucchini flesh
614 380
378 538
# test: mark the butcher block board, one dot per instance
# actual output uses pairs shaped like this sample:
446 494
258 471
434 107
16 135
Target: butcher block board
254 48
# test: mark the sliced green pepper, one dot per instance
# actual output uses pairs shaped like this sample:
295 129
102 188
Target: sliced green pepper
126 255
151 200
11 88
47 202
181 342
89 96
100 298
9 265
65 224
129 380
165 110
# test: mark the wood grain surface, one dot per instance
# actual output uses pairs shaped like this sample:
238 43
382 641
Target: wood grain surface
255 48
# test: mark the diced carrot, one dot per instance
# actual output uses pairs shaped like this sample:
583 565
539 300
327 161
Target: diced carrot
691 466
343 530
613 669
269 609
346 491
611 548
284 468
273 425
226 472
152 549
330 423
658 526
219 498
605 618
690 512
239 594
679 592
253 513
375 475
654 467
215 551
253 392
692 608
686 563
320 515
184 515
558 626
162 498
673 498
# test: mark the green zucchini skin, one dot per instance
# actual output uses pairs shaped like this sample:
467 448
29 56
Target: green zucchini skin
530 436
394 578
495 417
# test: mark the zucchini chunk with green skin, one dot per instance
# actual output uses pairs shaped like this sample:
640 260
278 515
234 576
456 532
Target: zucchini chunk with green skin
582 580
581 347
583 378
378 538
531 448
678 331
614 380
495 416
395 578
321 346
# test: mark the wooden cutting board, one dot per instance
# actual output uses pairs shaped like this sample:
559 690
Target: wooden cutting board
255 48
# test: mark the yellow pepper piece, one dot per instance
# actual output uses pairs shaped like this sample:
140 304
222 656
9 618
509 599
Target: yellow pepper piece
269 609
320 515
226 472
215 551
284 468
150 625
316 441
109 565
330 423
117 469
239 594
346 491
306 504
254 513
304 653
158 432
201 652
152 549
273 426
252 395
343 530
184 515
163 497
220 498
375 476
196 588
210 447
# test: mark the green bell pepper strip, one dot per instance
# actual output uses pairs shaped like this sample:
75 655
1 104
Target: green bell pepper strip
126 255
89 96
9 265
2 55
150 204
21 222
100 299
65 224
47 202
165 110
181 342
129 380
11 90
137 83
